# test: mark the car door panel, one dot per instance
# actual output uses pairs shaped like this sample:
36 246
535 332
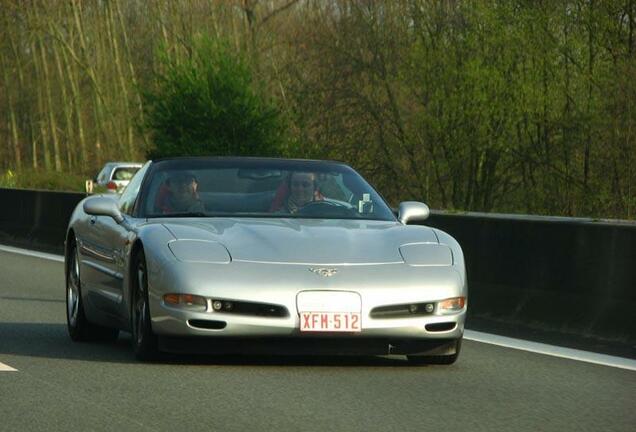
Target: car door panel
104 245
106 262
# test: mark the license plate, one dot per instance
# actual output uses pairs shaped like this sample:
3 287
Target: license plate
330 322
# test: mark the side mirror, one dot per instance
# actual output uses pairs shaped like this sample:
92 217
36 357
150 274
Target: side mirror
410 211
102 206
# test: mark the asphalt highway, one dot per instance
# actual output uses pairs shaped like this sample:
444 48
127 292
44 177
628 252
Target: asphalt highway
61 385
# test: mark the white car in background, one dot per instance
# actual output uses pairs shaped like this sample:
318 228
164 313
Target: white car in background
115 176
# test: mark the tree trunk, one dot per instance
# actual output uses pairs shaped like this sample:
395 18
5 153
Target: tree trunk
50 111
96 96
68 109
588 140
76 97
131 67
14 145
41 108
127 120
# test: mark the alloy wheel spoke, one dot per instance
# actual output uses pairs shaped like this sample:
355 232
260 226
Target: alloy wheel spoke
73 291
140 304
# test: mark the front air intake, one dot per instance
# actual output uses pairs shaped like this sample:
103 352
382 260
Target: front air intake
207 324
440 327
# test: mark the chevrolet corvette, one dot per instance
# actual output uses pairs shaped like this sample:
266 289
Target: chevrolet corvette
265 256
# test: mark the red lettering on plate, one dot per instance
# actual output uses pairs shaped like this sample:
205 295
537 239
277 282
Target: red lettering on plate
330 321
354 322
336 321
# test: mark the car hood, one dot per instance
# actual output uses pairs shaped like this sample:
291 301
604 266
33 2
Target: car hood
305 241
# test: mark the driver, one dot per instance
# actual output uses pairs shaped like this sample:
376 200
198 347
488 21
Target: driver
181 195
300 189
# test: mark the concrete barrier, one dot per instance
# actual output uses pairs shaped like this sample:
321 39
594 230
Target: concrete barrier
36 219
567 279
563 280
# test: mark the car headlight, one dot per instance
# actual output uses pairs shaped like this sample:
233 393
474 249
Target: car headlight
200 251
426 254
451 305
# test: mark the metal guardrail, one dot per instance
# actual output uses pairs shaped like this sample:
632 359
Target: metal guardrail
570 276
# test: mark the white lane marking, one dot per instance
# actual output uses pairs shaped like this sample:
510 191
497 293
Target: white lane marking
6 368
551 350
519 344
52 257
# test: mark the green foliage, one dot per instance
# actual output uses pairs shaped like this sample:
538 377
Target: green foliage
208 104
47 180
491 105
468 86
8 179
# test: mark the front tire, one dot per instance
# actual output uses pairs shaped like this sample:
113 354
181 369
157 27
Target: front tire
144 341
79 328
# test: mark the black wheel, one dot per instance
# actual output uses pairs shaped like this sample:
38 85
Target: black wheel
79 328
143 339
445 359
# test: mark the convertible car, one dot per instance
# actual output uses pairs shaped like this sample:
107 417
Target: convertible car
255 255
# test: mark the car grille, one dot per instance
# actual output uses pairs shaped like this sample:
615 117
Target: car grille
402 310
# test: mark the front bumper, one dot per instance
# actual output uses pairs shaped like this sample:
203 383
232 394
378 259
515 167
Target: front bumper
255 283
174 322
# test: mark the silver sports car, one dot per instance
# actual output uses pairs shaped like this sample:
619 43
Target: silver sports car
249 255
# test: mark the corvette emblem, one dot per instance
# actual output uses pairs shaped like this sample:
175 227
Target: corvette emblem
326 272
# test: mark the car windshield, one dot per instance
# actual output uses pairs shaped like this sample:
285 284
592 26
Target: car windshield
125 173
258 188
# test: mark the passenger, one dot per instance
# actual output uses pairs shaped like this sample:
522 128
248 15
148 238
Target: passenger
180 195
